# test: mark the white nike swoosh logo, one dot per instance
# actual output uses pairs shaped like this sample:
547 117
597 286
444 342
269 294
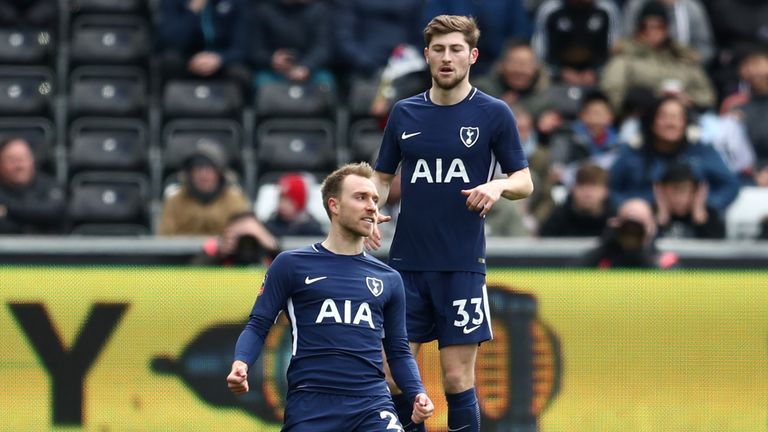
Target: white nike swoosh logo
468 331
454 430
309 280
405 136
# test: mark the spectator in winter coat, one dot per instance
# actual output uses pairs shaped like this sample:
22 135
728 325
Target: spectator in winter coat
664 141
30 201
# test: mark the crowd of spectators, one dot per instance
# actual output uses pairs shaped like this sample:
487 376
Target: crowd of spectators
615 100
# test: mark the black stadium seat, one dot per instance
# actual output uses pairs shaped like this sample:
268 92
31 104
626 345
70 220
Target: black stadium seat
26 46
285 99
107 91
107 144
295 144
365 139
197 98
108 198
181 136
108 6
26 91
114 39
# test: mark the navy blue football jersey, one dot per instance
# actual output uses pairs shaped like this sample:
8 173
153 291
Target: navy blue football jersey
342 309
443 150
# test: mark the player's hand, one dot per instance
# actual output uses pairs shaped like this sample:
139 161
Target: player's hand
423 408
237 380
482 198
373 241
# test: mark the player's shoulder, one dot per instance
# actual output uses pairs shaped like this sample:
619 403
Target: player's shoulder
288 257
482 99
379 265
412 102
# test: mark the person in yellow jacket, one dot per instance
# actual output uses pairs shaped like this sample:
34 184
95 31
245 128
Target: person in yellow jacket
205 199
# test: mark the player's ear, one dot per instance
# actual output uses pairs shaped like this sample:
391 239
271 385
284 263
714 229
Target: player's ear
426 54
333 205
473 54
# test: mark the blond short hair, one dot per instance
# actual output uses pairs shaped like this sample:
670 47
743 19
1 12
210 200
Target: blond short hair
444 24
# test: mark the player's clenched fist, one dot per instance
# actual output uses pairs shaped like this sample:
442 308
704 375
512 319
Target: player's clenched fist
422 408
237 381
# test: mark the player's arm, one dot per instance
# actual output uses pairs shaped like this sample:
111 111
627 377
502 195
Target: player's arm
402 365
517 185
269 303
387 162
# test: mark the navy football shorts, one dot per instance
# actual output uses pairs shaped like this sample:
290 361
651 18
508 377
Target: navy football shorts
451 307
307 411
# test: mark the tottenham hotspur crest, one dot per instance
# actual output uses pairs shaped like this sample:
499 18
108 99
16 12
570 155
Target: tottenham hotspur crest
469 135
376 286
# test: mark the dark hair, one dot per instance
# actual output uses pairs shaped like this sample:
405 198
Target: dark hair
652 9
444 24
591 174
331 187
648 117
678 172
592 97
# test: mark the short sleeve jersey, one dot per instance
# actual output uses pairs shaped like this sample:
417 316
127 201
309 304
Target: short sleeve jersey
442 150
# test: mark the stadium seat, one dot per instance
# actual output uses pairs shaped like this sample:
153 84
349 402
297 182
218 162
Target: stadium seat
108 6
107 91
26 46
179 136
743 216
108 198
361 95
285 99
199 98
303 145
26 91
113 39
365 139
39 133
107 144
110 230
268 193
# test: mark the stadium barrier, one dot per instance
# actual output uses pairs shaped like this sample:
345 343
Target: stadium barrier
132 348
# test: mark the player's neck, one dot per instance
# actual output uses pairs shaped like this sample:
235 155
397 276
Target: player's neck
342 243
440 96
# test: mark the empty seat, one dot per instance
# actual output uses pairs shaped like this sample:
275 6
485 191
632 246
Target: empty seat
108 198
99 39
200 98
107 91
286 99
110 230
182 136
361 94
303 145
26 90
743 217
26 46
38 132
365 139
107 144
108 6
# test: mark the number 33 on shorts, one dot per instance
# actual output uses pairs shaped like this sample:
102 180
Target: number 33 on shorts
476 314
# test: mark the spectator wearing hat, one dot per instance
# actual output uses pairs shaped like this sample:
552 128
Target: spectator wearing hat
291 217
205 199
681 206
30 201
652 60
586 209
689 24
